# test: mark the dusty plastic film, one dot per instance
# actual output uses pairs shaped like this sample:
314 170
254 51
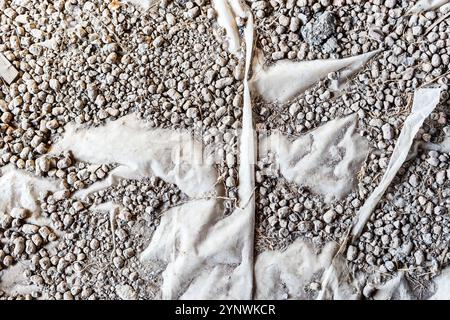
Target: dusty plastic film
195 249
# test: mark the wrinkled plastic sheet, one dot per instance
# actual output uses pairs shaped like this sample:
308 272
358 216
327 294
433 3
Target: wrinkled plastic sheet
324 160
425 101
281 82
205 254
139 151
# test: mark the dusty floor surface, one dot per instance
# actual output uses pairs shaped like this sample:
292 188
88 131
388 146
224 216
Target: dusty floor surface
97 99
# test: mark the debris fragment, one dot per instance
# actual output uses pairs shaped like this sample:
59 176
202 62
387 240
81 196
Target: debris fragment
7 71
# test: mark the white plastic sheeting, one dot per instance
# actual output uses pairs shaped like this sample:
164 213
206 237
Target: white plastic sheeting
325 160
426 5
207 255
443 286
226 18
140 151
19 189
425 100
287 79
285 275
200 248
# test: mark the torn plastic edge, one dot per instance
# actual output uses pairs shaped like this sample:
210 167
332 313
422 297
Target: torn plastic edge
226 15
247 146
286 79
426 5
425 100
